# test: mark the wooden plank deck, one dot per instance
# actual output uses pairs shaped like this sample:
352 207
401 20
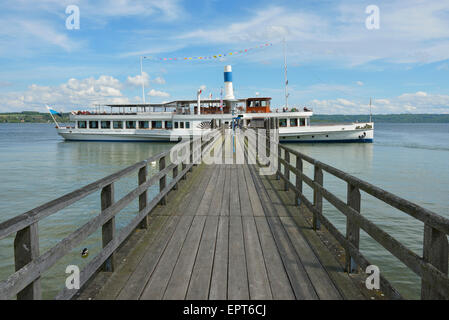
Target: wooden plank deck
226 234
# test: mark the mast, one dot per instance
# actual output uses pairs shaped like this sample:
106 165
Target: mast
370 114
141 76
285 75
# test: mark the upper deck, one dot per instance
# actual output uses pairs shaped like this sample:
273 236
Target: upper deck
188 109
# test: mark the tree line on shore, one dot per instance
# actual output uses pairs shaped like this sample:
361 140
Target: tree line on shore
38 117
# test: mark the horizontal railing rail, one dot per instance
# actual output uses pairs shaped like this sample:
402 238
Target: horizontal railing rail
30 265
432 266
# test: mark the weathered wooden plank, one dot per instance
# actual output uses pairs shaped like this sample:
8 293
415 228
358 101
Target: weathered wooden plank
259 285
219 280
280 284
215 206
245 202
335 270
237 273
234 200
208 192
202 271
226 192
256 205
320 279
179 280
158 281
299 280
138 279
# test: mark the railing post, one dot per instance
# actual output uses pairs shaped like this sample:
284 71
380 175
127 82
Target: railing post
286 170
183 163
162 180
108 229
317 197
352 229
435 252
278 172
191 153
26 249
175 174
143 198
298 180
257 143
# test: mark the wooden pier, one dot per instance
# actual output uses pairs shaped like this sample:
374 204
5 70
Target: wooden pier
224 231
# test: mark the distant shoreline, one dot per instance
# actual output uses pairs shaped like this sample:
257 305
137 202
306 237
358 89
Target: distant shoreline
37 117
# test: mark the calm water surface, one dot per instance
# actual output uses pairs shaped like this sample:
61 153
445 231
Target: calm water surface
36 166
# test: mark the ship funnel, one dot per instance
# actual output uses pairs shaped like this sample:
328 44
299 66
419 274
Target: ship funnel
229 91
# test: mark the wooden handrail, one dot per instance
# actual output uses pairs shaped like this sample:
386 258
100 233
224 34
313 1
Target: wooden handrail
25 282
432 267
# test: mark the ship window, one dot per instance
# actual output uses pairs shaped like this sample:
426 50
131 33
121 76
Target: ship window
105 124
282 122
293 122
144 124
263 103
130 124
93 124
302 122
176 125
181 125
82 124
117 124
187 125
156 124
168 125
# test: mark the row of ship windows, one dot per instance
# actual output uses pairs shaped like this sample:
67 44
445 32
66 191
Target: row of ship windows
293 122
133 124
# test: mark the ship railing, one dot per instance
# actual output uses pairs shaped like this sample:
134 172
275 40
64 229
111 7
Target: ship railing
30 265
431 266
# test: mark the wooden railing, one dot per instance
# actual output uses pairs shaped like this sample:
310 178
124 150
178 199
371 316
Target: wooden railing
30 265
432 267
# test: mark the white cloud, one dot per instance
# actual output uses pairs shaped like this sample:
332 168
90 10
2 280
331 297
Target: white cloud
137 80
85 92
418 102
157 93
159 80
414 33
359 83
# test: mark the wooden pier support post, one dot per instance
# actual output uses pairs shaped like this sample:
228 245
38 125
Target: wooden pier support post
26 249
317 197
191 153
162 180
143 198
298 180
435 251
108 229
287 170
352 229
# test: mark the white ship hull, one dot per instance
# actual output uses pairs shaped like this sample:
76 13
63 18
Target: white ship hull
310 134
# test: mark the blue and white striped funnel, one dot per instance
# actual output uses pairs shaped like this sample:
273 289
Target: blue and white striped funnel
229 91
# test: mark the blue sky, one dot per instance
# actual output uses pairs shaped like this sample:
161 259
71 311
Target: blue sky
335 63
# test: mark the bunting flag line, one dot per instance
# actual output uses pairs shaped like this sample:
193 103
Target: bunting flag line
216 56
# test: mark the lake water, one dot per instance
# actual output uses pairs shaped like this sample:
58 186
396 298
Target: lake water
36 165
